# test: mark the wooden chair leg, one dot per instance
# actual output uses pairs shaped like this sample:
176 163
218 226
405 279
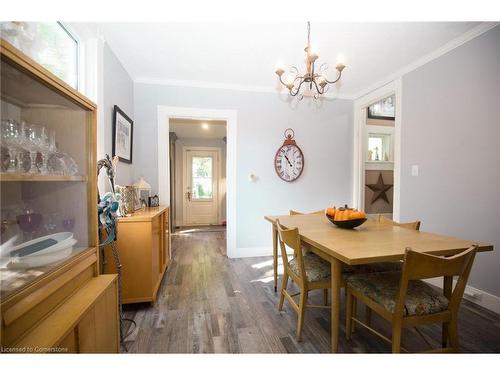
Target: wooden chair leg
368 316
325 297
283 287
453 334
348 315
302 312
444 335
354 313
396 336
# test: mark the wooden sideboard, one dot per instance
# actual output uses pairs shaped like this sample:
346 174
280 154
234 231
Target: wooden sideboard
144 247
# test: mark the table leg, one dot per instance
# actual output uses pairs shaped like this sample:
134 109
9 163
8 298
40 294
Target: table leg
275 257
336 274
447 287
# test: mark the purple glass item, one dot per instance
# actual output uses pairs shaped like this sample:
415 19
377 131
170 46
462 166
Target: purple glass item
68 224
29 223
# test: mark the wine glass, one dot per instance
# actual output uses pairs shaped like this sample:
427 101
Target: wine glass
68 223
11 137
47 145
29 222
50 222
32 143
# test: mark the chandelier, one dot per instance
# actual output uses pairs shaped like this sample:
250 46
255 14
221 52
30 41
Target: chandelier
315 81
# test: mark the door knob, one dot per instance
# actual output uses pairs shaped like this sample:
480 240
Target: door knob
188 195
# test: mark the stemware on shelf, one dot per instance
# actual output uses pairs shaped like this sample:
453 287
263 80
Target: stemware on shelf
12 138
29 222
33 144
47 137
68 223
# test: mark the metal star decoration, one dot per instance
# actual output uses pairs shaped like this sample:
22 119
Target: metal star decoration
379 189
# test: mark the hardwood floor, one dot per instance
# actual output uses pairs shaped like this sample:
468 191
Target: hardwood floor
211 304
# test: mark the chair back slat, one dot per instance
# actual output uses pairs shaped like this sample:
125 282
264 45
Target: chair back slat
291 238
418 266
415 225
293 212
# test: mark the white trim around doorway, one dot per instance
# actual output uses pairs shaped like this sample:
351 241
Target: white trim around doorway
360 105
165 113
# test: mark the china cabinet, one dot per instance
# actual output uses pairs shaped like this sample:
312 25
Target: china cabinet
51 293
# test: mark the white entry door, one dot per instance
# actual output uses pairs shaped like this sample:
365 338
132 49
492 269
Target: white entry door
201 180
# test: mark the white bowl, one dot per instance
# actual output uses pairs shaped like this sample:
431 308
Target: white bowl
41 260
63 240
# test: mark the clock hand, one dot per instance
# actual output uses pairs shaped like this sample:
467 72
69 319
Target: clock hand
288 161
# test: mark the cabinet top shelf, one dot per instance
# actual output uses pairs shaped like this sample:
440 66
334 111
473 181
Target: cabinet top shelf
35 177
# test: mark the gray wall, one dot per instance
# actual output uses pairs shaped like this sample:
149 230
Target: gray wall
324 135
118 89
179 193
451 129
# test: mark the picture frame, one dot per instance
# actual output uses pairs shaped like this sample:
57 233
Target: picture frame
123 135
154 201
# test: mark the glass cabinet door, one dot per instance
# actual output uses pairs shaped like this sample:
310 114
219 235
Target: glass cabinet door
46 198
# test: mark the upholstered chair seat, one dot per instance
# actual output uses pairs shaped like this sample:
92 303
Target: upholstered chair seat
383 288
317 269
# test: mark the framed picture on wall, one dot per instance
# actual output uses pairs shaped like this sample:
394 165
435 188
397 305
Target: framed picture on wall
123 131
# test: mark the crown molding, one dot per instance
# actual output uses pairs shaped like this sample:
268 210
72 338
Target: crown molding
457 42
223 86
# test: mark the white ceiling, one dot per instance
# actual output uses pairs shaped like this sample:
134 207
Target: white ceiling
245 55
188 128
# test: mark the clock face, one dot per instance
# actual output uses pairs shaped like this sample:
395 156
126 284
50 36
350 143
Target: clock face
289 162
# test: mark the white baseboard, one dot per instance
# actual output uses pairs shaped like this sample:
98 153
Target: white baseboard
477 296
247 252
259 251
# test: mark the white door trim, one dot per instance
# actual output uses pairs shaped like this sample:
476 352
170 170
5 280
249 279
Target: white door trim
218 166
165 113
360 105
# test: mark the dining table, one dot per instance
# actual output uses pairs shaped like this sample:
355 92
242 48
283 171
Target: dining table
372 242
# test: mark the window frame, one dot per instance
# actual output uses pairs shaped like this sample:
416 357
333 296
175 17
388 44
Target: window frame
71 33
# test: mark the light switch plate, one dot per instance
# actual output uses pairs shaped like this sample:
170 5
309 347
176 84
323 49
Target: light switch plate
414 170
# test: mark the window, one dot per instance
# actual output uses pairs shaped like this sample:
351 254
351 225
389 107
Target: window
48 43
379 147
202 177
383 109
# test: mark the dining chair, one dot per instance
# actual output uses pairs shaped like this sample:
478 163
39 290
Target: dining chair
404 299
385 266
307 271
415 225
293 212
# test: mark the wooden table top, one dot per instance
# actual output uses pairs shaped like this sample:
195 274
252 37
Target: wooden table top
371 242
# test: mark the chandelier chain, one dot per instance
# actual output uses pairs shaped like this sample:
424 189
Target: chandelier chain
308 33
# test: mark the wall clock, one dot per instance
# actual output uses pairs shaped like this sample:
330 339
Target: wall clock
289 160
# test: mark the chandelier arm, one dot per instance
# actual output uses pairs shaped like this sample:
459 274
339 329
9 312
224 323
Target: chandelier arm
317 88
339 74
298 87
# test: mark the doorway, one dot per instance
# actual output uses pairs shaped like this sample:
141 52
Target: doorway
377 150
198 173
165 113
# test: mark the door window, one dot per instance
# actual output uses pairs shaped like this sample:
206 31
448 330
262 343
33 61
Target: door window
202 183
